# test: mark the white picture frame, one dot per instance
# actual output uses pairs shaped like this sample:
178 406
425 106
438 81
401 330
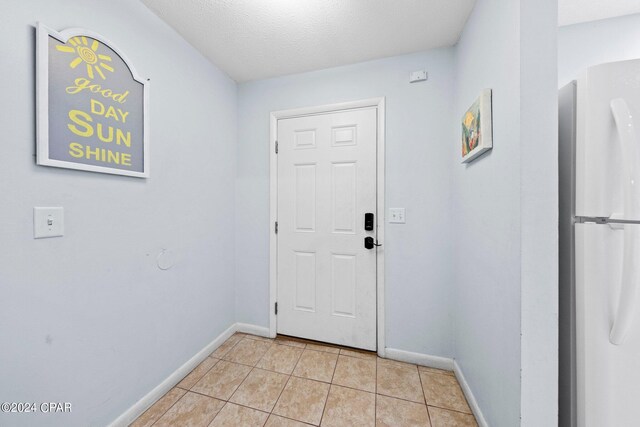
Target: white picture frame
477 137
43 157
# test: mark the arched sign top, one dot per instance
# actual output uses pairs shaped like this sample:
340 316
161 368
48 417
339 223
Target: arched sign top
92 111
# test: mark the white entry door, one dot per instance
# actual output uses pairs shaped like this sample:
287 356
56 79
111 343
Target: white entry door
326 183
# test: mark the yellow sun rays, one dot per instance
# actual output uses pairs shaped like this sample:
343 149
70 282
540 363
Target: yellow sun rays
96 63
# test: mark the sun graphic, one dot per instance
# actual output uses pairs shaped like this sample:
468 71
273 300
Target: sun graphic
94 61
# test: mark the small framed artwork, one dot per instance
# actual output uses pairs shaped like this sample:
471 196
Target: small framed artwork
476 128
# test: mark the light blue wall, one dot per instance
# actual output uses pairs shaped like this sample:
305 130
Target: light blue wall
592 43
505 211
418 142
89 318
486 211
539 213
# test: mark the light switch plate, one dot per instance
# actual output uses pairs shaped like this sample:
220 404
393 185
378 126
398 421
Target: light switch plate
48 222
396 216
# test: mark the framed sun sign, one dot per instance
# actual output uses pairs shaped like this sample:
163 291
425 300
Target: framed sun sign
91 105
476 128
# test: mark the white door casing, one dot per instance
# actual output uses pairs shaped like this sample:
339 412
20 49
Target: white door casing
327 176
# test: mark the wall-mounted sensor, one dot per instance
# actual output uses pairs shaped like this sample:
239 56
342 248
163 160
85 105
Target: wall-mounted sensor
418 76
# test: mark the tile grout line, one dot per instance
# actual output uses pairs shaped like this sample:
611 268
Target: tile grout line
358 358
218 413
198 380
424 396
429 374
375 376
253 367
288 379
246 364
297 362
375 402
367 355
347 386
292 419
276 401
164 413
240 385
280 395
315 379
228 351
227 401
271 344
452 410
185 390
325 405
234 391
334 368
206 395
330 385
244 406
285 385
401 398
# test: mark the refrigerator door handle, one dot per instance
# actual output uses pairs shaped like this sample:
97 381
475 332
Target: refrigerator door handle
629 287
629 149
630 272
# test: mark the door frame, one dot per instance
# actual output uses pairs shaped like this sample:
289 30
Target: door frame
379 104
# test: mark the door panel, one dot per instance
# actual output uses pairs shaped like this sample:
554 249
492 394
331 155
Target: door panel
343 212
600 171
305 198
608 375
326 183
343 281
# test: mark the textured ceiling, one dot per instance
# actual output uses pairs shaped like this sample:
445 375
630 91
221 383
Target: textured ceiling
255 39
576 11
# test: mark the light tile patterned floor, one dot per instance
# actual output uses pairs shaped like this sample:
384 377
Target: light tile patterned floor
255 381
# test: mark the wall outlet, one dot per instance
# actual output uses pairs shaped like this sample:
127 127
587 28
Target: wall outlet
396 216
48 222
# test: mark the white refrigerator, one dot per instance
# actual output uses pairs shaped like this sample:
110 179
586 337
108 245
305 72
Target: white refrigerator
599 167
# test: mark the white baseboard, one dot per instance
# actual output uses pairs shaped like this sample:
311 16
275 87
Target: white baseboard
260 331
471 399
150 398
420 359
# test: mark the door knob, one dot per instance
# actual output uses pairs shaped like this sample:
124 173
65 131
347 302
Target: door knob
369 243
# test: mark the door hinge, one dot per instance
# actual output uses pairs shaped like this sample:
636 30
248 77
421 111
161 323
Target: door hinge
276 147
276 309
276 227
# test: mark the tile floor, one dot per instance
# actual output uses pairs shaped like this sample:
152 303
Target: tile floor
254 381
